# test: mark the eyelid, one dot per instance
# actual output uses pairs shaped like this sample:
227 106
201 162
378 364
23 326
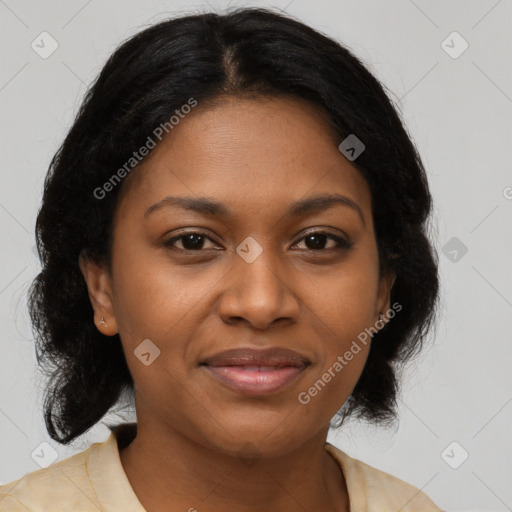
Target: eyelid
342 242
183 234
324 231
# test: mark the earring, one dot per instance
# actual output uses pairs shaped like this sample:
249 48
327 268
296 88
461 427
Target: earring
102 321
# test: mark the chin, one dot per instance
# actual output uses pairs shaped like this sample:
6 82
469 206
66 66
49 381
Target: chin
260 440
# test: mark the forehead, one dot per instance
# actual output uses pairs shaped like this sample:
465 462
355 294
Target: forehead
252 154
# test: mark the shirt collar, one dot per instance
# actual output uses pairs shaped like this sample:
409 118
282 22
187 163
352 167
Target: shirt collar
107 475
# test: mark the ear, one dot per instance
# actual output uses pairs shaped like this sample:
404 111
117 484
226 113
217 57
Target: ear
99 285
384 296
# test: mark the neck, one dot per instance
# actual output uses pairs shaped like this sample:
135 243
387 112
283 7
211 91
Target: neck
165 467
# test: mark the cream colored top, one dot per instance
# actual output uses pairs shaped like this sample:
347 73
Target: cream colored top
94 480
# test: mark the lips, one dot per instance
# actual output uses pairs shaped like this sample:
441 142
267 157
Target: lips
256 372
273 356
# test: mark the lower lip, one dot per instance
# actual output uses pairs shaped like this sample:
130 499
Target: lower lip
255 382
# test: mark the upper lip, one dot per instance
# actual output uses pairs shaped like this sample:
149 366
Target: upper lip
273 356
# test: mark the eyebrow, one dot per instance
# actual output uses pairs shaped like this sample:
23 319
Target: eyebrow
211 208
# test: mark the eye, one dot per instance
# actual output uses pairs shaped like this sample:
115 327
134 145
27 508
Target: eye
192 241
315 241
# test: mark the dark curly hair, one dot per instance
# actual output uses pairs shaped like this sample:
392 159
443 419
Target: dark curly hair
245 52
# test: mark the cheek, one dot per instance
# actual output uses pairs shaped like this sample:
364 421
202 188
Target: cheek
343 306
342 330
151 295
345 297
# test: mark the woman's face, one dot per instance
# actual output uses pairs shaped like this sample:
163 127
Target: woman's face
254 276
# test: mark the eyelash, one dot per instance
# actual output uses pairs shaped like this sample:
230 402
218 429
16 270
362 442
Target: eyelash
342 244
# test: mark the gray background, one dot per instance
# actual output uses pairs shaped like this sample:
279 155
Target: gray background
458 111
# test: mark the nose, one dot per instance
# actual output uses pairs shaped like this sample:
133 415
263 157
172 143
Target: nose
258 293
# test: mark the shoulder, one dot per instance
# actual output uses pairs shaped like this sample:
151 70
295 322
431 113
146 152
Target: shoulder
85 482
370 489
65 483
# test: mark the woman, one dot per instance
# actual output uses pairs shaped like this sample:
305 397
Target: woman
234 233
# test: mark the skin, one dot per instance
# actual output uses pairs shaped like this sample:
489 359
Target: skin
257 157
